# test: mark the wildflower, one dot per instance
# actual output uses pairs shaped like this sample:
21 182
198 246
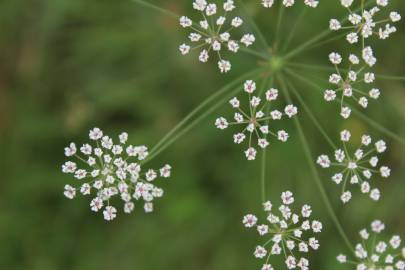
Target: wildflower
290 3
110 171
374 253
213 33
366 23
286 232
349 83
255 118
358 168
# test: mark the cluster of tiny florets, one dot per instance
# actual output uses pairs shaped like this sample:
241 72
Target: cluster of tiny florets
357 168
367 23
349 83
287 233
375 254
255 118
111 172
362 27
289 3
212 33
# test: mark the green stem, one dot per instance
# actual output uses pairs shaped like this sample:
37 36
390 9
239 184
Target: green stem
390 77
254 26
254 53
157 8
194 123
264 156
263 175
294 29
167 140
278 26
312 116
307 44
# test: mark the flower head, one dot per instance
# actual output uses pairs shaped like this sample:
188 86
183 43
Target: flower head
112 170
290 3
286 232
255 118
366 23
357 168
349 84
212 34
374 253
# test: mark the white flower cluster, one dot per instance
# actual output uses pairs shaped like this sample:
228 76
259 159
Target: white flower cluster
290 3
213 32
349 82
255 119
287 233
362 26
365 24
356 169
374 254
109 173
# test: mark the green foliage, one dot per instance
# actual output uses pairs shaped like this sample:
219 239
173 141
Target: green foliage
69 65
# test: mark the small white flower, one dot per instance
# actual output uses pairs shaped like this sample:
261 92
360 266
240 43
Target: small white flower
380 146
352 38
249 220
374 93
287 197
345 112
221 123
267 267
148 207
346 196
324 161
335 58
385 171
282 135
211 9
249 86
70 150
165 171
334 25
224 66
345 136
109 213
290 110
251 153
263 229
70 192
184 49
96 204
341 258
260 252
316 226
395 16
346 3
290 3
185 21
329 95
248 39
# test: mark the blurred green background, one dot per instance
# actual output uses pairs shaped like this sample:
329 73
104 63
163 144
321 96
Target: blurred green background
69 65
